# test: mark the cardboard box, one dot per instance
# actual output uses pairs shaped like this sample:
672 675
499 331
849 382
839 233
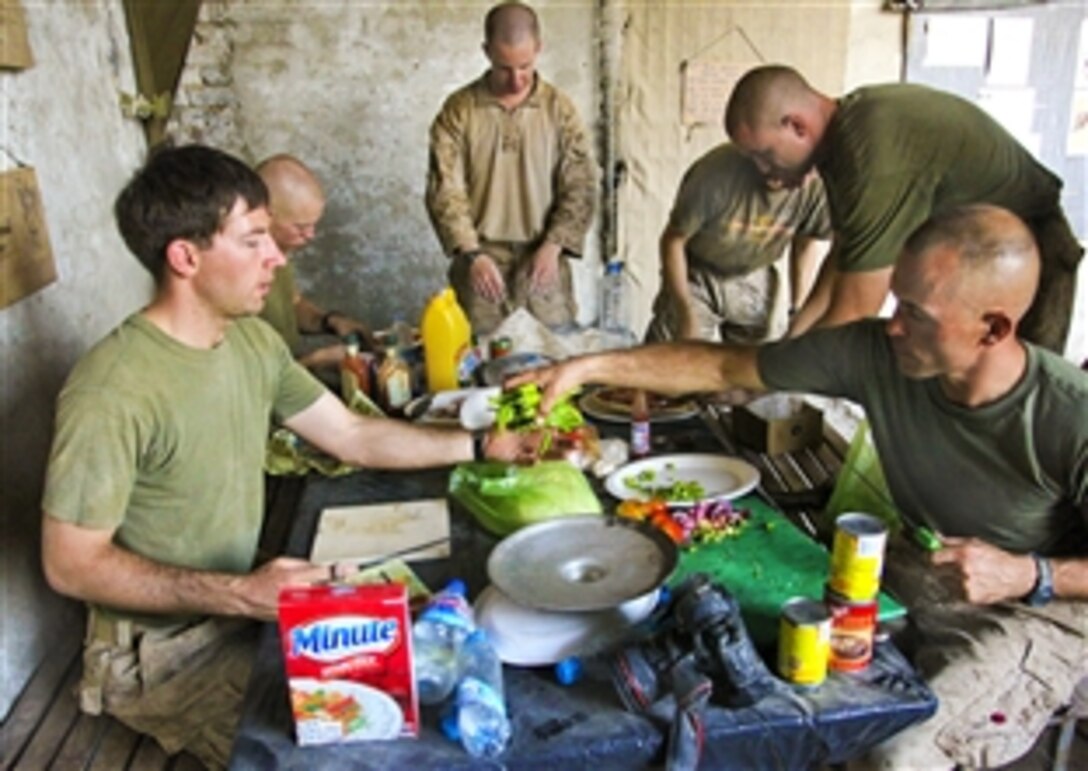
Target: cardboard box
778 423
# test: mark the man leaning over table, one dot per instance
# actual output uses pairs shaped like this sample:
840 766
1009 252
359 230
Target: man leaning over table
511 183
153 496
983 438
296 204
722 251
891 156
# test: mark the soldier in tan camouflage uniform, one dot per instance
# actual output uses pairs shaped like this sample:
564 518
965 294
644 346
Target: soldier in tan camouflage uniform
511 185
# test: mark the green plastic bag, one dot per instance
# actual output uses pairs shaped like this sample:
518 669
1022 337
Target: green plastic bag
861 485
505 497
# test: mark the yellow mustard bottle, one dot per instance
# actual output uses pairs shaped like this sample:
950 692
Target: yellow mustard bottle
447 342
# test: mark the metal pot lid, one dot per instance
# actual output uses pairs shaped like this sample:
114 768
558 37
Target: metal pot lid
582 563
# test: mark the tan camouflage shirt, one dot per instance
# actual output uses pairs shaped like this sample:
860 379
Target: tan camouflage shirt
522 175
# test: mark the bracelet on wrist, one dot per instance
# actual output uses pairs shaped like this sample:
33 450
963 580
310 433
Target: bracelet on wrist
479 443
470 256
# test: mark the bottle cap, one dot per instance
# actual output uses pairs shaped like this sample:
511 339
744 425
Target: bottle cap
448 724
457 586
569 670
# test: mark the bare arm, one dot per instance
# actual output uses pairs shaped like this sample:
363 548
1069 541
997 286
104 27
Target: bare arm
674 279
86 564
806 255
395 444
987 574
311 321
666 368
848 297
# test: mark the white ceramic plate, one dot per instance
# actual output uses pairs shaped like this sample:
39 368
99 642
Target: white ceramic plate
528 637
597 404
722 477
382 716
477 410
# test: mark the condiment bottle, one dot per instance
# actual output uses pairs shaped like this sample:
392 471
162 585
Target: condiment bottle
447 342
394 380
354 370
640 424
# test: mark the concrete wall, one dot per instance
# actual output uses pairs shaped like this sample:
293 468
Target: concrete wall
351 88
62 118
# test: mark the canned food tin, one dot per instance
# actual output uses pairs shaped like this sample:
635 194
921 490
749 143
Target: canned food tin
853 624
857 556
500 346
804 641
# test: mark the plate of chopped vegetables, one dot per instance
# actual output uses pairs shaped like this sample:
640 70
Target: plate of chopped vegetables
683 480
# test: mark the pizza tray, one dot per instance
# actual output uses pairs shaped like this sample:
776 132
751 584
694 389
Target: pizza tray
582 563
597 405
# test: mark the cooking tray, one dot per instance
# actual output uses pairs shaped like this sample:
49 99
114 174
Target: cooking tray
582 563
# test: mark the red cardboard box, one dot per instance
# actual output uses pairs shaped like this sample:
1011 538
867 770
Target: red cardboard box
348 654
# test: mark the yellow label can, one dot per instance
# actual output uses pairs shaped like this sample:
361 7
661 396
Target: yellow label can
804 641
857 556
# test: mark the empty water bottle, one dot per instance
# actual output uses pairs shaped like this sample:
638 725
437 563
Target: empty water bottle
437 638
482 723
613 309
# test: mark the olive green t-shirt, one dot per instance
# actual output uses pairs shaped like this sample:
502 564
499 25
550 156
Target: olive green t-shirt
733 223
1011 472
166 443
895 154
279 308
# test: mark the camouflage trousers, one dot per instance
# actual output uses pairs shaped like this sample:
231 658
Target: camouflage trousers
181 685
747 309
554 307
998 671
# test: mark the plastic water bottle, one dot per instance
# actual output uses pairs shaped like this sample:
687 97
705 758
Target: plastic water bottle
437 639
481 712
613 309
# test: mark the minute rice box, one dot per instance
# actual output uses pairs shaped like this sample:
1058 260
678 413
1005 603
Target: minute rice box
348 656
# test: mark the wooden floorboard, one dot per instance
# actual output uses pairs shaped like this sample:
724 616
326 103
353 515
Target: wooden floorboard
54 728
82 742
117 747
33 704
149 756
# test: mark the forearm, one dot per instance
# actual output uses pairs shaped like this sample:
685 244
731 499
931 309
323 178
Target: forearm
674 368
815 305
674 273
107 574
308 316
393 444
1070 578
806 255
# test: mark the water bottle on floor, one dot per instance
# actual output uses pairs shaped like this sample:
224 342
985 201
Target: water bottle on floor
437 640
481 712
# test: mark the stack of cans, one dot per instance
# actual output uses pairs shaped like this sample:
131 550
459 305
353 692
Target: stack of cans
838 632
857 559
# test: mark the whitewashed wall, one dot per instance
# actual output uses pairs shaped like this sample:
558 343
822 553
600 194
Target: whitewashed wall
62 118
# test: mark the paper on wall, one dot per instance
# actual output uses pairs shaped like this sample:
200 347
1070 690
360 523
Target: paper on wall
956 41
1010 52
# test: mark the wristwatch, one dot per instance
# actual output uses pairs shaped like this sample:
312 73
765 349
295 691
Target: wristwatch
1043 591
479 446
470 255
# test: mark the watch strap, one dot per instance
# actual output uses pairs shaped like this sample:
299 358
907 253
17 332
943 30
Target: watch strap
1043 591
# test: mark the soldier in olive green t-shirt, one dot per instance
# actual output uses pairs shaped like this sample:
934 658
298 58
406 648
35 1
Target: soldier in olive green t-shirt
982 437
723 248
891 156
154 490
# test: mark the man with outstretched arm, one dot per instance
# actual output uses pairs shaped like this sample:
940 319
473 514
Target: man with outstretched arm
154 490
983 438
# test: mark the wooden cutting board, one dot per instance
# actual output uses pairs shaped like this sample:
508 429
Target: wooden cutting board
373 532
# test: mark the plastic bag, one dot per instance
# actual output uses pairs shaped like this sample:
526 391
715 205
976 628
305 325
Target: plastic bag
504 497
860 485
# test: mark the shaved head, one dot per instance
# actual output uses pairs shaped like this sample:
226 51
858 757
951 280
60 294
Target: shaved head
511 24
296 200
763 95
998 260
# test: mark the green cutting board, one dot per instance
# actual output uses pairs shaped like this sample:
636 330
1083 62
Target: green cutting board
771 561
